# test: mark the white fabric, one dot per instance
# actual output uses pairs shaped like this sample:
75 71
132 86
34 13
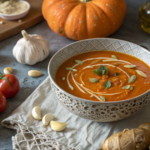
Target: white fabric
81 134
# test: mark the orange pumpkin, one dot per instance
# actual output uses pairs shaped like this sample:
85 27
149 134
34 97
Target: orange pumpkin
79 20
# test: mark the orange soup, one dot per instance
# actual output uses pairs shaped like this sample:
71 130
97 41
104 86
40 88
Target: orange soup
104 76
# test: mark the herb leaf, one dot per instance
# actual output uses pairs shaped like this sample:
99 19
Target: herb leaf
102 70
107 84
78 62
98 72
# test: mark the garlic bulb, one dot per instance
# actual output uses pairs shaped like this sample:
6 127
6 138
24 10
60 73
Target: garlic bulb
31 49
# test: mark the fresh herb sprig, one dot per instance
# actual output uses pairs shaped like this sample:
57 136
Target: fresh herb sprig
102 70
107 84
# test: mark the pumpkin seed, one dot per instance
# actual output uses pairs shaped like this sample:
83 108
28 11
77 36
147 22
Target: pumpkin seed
78 62
131 87
69 68
76 75
107 60
132 79
130 66
116 64
126 87
141 73
1 22
95 61
63 78
102 98
113 56
89 67
93 80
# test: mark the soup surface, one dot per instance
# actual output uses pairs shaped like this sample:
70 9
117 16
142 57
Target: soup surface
104 76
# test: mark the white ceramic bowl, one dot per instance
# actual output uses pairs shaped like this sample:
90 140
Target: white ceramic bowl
16 16
98 111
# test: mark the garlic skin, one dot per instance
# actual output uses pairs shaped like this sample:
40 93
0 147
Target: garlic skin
57 126
31 49
36 113
47 118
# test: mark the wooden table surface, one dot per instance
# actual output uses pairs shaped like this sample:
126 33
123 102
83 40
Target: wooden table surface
34 16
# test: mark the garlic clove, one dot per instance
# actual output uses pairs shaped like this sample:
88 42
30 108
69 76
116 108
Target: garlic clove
36 113
47 118
8 70
35 73
57 126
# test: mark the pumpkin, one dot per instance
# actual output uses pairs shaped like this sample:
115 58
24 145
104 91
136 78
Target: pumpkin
79 20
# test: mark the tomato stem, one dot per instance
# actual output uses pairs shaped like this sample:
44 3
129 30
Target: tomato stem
4 78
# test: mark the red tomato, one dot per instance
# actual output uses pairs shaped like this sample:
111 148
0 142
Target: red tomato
9 89
2 102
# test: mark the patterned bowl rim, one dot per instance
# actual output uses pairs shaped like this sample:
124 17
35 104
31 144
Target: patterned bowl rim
86 100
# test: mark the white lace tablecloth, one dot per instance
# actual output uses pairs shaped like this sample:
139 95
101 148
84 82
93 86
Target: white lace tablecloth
80 134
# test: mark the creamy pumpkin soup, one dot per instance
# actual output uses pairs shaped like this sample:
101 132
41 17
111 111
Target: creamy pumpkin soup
104 76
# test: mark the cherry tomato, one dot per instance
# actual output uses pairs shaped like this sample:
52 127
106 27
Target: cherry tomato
9 85
2 102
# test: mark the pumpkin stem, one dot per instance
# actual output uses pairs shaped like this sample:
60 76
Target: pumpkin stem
85 1
25 35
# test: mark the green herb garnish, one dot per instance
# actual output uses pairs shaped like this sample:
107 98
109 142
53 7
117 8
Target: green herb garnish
63 78
126 87
102 70
93 80
102 98
79 62
107 84
69 68
131 87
